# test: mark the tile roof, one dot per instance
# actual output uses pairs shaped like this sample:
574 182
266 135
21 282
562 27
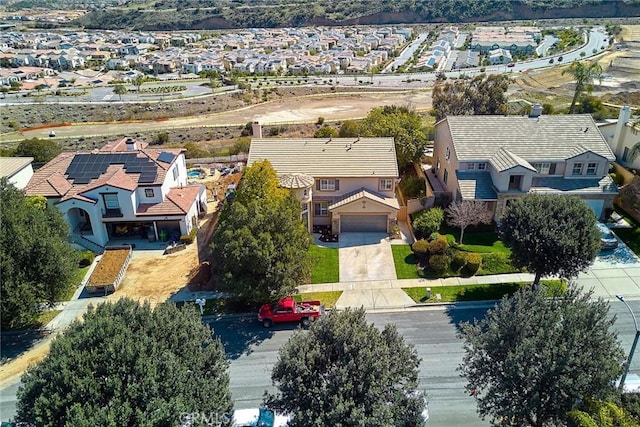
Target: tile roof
366 194
543 138
503 160
476 185
54 179
596 185
9 166
177 202
328 157
295 180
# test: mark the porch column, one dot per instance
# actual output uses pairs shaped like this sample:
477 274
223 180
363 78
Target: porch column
155 230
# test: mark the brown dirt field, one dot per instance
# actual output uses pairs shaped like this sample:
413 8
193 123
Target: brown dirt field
9 371
109 267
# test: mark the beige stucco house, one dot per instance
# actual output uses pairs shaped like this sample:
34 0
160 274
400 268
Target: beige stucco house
621 137
17 170
345 183
499 158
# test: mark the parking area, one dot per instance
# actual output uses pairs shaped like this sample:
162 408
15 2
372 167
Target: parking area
365 256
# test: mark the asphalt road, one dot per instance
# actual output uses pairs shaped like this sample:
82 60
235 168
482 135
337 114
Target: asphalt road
253 350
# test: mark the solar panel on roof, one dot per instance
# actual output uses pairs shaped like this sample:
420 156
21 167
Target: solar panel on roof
166 157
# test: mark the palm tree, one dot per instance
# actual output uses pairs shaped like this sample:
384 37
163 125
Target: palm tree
584 76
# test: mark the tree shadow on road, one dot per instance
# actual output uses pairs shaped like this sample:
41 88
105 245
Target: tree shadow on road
464 314
14 343
240 335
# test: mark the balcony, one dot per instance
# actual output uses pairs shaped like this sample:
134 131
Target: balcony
112 213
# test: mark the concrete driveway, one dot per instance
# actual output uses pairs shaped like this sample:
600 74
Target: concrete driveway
365 257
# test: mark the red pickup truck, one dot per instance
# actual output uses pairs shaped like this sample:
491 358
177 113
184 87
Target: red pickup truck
287 310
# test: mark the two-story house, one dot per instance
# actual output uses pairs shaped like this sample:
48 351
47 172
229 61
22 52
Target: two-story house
124 190
622 137
345 183
499 158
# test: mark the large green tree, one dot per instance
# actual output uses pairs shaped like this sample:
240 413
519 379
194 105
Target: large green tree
532 359
481 95
42 150
37 263
346 372
584 75
261 244
404 125
550 234
127 364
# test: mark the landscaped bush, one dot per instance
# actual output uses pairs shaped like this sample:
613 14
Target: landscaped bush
412 186
474 261
439 263
459 260
420 248
428 221
189 238
85 258
438 246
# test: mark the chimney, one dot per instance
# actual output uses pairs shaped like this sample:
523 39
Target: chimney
618 139
536 110
257 129
131 144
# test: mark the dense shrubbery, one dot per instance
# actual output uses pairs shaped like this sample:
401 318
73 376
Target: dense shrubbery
428 221
85 258
412 186
189 238
439 263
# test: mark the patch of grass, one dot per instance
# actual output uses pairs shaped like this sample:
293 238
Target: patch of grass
630 236
405 262
478 292
327 298
45 317
493 263
212 306
325 266
480 239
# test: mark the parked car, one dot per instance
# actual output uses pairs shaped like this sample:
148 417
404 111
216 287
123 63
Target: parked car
288 310
258 417
511 64
52 134
551 61
226 172
608 240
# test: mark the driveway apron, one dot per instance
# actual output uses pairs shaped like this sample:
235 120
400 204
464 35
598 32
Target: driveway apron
365 256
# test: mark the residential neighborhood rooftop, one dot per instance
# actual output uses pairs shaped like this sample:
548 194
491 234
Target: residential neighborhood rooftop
336 157
11 165
545 137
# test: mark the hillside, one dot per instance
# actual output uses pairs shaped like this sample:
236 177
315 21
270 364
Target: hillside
226 14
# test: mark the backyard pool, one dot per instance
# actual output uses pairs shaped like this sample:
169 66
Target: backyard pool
196 173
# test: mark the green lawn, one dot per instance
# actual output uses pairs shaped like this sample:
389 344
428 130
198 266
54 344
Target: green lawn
406 266
477 292
45 317
325 267
327 298
630 236
477 241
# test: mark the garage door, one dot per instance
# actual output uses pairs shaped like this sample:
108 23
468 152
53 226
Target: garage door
596 206
362 223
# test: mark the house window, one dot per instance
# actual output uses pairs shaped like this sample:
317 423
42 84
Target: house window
304 207
446 176
327 185
542 168
625 154
592 168
320 209
447 154
148 192
175 173
386 185
482 166
471 166
111 201
577 169
305 192
437 164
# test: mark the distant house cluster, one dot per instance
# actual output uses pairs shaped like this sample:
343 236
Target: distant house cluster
263 51
520 40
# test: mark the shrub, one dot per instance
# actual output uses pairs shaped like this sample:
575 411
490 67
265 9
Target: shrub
438 246
85 258
459 260
439 263
420 247
474 261
412 186
428 221
189 238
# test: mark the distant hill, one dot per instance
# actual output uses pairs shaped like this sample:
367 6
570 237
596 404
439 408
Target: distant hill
226 14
